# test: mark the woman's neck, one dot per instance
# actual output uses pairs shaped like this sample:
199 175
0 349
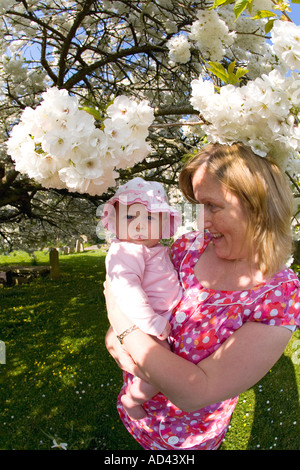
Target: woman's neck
221 274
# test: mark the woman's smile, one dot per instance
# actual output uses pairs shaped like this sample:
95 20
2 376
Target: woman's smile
216 236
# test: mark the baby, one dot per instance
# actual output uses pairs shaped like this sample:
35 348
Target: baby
141 274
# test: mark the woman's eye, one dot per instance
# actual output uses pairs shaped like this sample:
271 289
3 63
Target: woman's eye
129 217
211 206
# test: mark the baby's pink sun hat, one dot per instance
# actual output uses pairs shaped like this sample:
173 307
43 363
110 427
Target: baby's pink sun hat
149 193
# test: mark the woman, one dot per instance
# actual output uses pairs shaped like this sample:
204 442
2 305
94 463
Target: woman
238 311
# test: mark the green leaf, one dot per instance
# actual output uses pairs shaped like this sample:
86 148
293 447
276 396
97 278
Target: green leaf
227 76
241 71
231 67
232 79
235 78
269 26
240 6
218 3
264 14
92 111
250 5
218 70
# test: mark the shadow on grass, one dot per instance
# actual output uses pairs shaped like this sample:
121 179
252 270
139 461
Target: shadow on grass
276 423
59 382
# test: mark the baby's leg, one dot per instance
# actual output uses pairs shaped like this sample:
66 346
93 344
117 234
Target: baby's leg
138 392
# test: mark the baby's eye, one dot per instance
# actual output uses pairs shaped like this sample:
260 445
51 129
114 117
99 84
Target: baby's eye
150 217
129 217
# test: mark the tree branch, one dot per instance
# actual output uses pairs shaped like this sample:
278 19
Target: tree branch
110 58
44 60
183 109
66 45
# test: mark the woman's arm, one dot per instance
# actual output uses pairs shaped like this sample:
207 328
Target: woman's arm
241 361
120 355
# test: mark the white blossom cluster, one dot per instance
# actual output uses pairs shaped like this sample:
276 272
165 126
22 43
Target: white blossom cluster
265 112
179 49
59 145
218 33
249 47
260 114
286 43
211 34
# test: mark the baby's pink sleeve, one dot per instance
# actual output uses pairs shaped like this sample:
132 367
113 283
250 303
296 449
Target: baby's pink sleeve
125 267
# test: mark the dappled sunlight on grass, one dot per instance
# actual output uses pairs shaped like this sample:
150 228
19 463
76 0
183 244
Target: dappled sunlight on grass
58 377
267 416
59 382
25 259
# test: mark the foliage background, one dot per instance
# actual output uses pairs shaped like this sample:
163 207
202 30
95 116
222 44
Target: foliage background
98 50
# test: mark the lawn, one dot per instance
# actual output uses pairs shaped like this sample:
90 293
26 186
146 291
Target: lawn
59 384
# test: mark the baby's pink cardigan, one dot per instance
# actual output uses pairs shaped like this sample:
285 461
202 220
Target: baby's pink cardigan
144 282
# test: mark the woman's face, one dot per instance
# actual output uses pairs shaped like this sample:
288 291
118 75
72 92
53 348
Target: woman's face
224 216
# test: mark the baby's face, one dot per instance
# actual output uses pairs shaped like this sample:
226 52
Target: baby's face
135 224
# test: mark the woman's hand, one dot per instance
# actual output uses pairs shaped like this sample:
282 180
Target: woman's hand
120 355
119 324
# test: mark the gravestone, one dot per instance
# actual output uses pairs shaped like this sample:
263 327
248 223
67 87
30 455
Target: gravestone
78 246
54 264
65 250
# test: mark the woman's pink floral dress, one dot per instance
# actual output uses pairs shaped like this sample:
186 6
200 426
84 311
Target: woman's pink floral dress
202 321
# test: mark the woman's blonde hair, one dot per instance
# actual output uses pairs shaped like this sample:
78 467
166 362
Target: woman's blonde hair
263 190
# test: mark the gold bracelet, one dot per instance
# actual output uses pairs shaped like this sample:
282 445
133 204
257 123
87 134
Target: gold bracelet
126 332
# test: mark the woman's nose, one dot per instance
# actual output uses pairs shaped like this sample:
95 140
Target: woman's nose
207 219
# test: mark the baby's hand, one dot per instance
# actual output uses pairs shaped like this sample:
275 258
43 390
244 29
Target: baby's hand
166 332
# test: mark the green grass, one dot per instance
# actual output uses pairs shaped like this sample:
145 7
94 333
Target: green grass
60 383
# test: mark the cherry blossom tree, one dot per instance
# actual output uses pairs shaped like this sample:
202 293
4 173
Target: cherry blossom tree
93 92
